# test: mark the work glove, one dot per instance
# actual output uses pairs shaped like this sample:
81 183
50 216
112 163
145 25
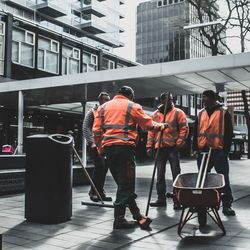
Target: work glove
150 152
163 126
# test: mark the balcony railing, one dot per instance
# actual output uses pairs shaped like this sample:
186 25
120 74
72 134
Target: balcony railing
93 25
53 8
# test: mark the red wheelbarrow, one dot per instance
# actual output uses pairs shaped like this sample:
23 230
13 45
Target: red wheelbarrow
199 193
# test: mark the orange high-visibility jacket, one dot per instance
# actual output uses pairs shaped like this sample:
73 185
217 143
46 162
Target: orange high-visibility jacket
116 120
211 129
174 134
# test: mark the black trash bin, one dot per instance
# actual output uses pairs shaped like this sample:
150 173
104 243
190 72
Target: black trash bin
48 178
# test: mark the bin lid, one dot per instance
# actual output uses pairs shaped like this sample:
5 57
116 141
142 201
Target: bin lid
59 138
38 136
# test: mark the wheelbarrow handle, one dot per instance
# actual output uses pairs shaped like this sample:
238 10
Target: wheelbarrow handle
203 169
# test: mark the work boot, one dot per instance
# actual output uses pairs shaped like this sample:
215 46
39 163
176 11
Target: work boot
120 222
142 220
93 196
104 197
228 211
158 203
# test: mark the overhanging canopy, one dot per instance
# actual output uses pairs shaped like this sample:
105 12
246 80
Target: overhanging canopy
220 73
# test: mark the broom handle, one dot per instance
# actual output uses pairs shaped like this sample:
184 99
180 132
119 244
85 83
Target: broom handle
156 157
87 175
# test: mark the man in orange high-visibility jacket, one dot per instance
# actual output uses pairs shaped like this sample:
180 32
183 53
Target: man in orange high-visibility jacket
213 128
100 169
115 133
173 138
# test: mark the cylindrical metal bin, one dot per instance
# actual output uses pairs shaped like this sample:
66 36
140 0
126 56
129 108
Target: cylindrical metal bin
48 178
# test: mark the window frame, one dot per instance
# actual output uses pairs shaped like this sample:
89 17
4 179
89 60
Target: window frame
3 48
45 53
26 32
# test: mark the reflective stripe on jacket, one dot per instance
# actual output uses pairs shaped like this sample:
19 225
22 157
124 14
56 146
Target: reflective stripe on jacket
116 120
174 134
211 129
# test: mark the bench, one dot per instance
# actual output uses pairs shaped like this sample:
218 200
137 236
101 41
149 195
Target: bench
12 174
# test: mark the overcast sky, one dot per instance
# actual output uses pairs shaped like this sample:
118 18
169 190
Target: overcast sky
129 24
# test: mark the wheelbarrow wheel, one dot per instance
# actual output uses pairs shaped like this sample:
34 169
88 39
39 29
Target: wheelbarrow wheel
202 216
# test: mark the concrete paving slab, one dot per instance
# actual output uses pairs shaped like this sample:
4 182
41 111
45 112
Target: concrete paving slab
91 227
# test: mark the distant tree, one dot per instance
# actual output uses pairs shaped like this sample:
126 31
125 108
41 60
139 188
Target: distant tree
241 20
212 36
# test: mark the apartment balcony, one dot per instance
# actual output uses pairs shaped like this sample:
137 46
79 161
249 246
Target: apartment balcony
24 4
52 8
92 26
91 9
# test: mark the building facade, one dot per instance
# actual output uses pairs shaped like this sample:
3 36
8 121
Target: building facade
41 38
167 31
161 36
234 99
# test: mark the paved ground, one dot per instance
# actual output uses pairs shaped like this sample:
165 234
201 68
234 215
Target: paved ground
91 227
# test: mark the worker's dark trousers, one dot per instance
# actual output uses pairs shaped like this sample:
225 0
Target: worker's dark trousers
219 160
121 162
99 172
165 154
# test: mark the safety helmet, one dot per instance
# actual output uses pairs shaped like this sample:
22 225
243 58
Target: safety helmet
127 91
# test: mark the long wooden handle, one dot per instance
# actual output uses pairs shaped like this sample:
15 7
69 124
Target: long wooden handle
157 156
87 175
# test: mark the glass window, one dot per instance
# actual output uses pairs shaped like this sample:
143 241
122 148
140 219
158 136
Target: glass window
2 31
54 46
44 43
2 47
18 35
30 37
15 52
76 53
107 64
73 66
64 65
89 62
48 54
26 51
51 61
41 56
23 47
71 60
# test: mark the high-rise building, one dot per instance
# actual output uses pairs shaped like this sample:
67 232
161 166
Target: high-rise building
168 30
161 36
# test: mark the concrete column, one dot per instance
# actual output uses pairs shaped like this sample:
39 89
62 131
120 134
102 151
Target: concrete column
20 123
84 144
